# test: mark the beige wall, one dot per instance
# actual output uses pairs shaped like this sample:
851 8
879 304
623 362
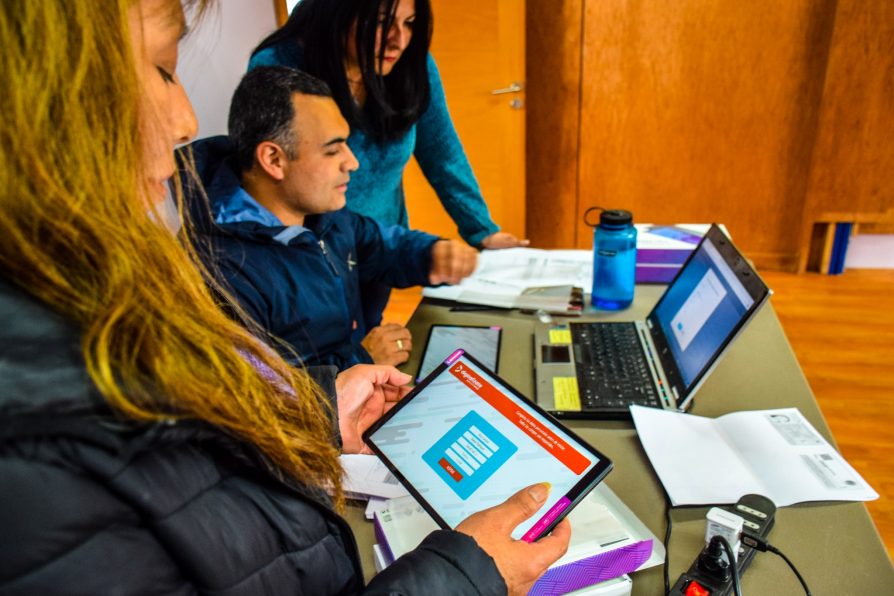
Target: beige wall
214 57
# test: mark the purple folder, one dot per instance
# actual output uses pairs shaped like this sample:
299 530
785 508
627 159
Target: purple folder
592 570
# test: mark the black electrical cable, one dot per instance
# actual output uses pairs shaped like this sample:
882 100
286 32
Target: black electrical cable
759 544
737 588
667 536
776 551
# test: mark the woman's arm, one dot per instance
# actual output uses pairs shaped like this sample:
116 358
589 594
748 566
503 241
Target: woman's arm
64 533
445 563
443 161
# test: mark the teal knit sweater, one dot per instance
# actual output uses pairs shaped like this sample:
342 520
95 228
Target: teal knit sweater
376 188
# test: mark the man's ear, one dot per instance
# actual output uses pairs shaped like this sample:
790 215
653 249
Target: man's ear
272 159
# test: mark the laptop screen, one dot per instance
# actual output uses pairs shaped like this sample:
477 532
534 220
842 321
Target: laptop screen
705 305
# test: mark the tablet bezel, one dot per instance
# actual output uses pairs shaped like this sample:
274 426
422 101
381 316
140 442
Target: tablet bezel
577 492
499 329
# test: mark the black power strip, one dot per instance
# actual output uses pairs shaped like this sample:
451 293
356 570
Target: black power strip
710 576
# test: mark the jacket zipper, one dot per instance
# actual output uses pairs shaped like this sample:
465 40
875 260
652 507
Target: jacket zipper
328 259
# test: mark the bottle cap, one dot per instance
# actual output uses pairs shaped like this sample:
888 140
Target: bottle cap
615 217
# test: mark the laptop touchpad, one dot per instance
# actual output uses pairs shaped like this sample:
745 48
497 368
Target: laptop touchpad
555 354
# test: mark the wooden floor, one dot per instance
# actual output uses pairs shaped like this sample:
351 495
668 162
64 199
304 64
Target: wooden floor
842 331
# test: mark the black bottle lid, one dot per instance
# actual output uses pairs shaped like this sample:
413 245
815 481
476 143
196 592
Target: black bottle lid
615 218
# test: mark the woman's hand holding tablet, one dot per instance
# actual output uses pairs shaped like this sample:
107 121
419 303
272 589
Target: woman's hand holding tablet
520 563
463 441
364 393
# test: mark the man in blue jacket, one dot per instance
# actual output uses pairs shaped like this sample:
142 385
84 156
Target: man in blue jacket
281 241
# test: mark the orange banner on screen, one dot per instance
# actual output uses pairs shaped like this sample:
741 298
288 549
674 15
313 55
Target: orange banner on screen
561 450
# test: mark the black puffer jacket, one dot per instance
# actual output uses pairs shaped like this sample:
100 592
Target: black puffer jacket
92 505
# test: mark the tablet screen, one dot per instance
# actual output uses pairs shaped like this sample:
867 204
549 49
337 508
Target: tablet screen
443 340
463 441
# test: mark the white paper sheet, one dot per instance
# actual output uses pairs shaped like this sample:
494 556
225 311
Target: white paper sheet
373 505
366 476
600 523
775 453
507 278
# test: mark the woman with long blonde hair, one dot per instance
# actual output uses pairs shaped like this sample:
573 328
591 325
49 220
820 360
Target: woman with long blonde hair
147 442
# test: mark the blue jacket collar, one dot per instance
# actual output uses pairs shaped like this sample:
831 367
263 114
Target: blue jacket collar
239 207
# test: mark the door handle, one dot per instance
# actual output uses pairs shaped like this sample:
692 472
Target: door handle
514 87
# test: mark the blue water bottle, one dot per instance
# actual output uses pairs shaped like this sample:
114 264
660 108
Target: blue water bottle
614 259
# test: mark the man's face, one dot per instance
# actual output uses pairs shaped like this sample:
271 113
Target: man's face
317 179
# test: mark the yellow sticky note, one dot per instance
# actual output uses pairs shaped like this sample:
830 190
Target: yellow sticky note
566 396
560 336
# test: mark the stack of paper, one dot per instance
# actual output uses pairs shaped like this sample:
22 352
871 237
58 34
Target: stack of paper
531 278
607 541
525 278
774 453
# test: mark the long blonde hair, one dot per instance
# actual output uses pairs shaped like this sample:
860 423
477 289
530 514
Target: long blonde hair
74 233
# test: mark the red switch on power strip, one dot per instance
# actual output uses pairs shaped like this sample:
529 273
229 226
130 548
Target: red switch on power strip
696 589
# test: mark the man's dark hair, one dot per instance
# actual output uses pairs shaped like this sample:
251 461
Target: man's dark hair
262 110
319 29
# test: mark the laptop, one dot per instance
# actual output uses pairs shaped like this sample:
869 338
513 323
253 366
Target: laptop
596 370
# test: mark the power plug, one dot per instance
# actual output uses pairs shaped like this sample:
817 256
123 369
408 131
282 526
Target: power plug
711 574
712 562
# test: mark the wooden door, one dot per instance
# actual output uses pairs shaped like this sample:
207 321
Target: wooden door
705 111
479 46
679 111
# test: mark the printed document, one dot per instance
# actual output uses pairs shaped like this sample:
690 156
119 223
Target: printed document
775 453
523 278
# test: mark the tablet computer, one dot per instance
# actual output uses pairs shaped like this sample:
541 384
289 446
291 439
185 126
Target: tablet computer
443 340
463 440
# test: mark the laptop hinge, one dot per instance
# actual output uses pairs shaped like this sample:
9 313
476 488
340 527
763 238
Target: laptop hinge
668 401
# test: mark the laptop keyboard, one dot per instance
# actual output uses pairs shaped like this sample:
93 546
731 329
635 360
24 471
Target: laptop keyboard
611 368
